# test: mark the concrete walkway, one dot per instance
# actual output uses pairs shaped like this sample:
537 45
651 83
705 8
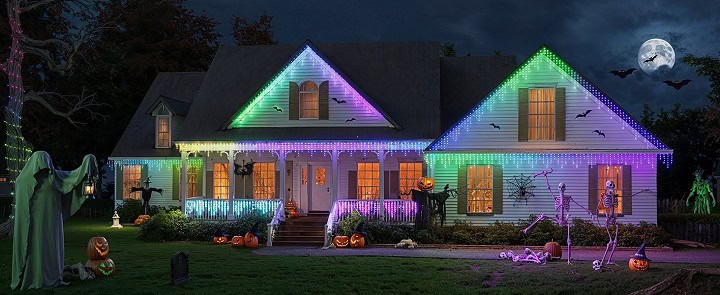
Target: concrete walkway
682 256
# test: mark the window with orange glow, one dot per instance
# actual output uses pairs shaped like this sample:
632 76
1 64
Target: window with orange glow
304 175
131 178
368 181
541 116
221 185
319 176
409 175
264 181
192 182
163 131
605 173
309 100
480 189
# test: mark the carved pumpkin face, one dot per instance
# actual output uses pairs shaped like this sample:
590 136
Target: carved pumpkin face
341 241
220 240
251 241
425 184
357 241
97 248
638 264
101 267
237 241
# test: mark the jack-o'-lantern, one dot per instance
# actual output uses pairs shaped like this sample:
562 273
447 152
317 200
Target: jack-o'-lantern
97 248
101 267
237 241
554 249
341 241
639 261
426 184
357 241
220 240
251 240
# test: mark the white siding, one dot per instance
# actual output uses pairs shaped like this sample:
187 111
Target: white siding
160 177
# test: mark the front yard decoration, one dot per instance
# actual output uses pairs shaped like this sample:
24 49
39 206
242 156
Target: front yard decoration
357 240
530 256
430 206
426 184
610 203
506 255
251 237
553 249
562 205
97 248
237 241
116 221
101 267
341 241
521 188
639 261
179 269
141 219
220 237
146 192
702 191
406 243
291 208
44 198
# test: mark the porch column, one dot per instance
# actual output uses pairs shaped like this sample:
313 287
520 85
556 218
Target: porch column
381 160
283 175
231 184
336 175
183 179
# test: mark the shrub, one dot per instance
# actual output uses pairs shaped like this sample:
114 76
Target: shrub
348 225
174 226
666 218
384 233
129 210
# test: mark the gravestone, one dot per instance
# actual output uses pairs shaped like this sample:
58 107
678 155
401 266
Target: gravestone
179 269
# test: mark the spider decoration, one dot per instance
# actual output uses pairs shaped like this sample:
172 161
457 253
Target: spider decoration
521 188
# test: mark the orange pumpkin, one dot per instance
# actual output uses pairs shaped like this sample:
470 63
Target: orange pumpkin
142 219
220 240
638 264
426 184
97 248
357 240
237 241
251 240
341 241
554 249
101 267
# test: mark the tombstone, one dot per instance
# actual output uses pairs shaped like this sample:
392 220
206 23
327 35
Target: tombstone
179 269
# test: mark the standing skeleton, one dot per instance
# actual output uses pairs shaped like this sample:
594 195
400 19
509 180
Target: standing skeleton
609 202
562 207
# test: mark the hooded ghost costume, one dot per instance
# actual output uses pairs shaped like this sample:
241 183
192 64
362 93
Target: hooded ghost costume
44 198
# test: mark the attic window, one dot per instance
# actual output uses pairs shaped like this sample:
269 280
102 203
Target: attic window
309 100
541 117
162 127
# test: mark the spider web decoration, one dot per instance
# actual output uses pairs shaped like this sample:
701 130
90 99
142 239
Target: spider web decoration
521 188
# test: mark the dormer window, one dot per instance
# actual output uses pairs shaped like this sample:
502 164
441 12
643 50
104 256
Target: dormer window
163 119
309 100
541 118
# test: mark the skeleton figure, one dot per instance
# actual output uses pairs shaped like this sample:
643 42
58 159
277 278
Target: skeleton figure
562 207
609 201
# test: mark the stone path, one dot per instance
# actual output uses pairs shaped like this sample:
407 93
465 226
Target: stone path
685 256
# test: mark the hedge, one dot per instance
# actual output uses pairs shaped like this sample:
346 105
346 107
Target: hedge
174 226
688 218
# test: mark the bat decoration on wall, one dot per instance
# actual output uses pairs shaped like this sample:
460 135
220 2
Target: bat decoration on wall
350 120
495 126
244 169
677 84
624 73
339 101
583 115
650 59
277 109
599 132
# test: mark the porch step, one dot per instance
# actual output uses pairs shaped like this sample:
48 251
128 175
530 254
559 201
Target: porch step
302 231
297 243
307 238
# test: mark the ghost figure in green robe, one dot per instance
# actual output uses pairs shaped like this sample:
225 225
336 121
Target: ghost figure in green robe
44 198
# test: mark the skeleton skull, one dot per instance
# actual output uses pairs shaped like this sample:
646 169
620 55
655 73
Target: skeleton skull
597 265
561 186
609 184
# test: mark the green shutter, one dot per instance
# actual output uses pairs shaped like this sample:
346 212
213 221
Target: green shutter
627 189
176 182
523 112
209 183
118 182
560 114
324 113
462 190
239 186
497 189
143 174
294 103
592 189
352 185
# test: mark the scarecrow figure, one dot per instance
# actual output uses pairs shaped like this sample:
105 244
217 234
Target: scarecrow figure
146 193
610 203
45 197
702 191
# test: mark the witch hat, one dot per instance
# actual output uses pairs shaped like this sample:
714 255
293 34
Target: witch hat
641 254
147 181
220 233
360 229
255 230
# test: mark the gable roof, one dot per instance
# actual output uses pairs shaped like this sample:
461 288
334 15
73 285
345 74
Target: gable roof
177 107
138 140
545 51
402 79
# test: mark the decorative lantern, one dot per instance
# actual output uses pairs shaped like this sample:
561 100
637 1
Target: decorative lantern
426 184
116 221
554 249
237 241
97 248
89 187
341 241
291 208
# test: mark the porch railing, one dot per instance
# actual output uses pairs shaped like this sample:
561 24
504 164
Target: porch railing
278 217
218 209
395 211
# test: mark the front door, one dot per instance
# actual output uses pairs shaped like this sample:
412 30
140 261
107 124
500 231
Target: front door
321 183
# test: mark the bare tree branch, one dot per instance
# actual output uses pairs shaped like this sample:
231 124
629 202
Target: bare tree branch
68 106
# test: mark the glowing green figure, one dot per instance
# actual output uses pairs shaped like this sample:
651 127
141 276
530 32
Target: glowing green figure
703 194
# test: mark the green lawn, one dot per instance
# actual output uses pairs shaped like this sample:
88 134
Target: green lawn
143 268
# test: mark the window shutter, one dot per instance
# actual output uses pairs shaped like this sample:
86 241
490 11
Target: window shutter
176 182
394 185
278 193
627 189
143 174
294 101
199 185
560 114
324 113
352 185
209 183
239 185
462 189
386 184
592 189
523 109
118 182
497 189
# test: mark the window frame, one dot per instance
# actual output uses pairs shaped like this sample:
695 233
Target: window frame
538 115
217 177
306 92
408 180
127 195
490 188
263 176
374 182
601 189
192 183
158 118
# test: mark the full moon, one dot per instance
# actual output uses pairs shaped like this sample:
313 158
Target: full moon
655 53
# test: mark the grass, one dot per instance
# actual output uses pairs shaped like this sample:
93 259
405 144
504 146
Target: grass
143 268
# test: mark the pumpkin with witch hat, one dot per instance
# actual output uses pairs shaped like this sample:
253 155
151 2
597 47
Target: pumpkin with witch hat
251 237
220 237
639 261
357 240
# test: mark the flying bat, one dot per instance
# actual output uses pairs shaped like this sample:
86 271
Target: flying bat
339 101
599 133
494 126
677 84
624 73
583 115
650 59
350 120
278 109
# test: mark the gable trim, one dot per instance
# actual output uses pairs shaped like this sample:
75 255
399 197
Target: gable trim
265 88
568 70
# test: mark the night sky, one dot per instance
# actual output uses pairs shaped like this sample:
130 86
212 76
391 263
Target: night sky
593 36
